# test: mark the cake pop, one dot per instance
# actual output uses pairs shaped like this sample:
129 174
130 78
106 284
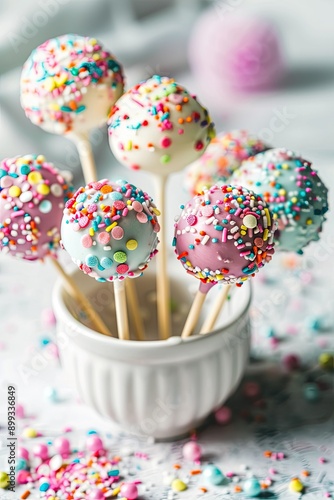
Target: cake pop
68 85
110 231
235 51
293 190
158 126
32 198
224 235
33 194
224 154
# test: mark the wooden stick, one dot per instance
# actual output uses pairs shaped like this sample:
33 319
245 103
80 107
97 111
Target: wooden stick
76 293
194 314
121 310
163 289
132 297
212 317
86 156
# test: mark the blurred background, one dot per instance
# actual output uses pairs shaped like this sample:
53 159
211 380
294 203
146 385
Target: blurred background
285 51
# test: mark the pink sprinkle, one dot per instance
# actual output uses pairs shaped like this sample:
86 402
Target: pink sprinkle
191 219
142 218
207 211
165 142
117 233
224 235
322 460
229 474
122 268
83 221
86 241
103 238
138 207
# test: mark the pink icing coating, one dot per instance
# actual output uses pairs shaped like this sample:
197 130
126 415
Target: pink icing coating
228 243
32 198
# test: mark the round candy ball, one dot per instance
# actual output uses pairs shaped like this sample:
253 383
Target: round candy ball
224 154
223 415
4 480
192 451
229 50
293 190
129 491
62 446
94 443
96 495
41 451
69 83
252 487
224 235
32 198
110 230
213 475
158 126
23 453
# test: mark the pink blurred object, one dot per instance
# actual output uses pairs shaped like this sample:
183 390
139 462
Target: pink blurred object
235 51
192 451
20 411
223 415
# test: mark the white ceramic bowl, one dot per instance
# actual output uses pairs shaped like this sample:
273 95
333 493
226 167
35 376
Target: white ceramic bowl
161 389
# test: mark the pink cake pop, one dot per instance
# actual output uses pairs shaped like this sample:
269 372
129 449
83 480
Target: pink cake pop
32 198
235 51
224 235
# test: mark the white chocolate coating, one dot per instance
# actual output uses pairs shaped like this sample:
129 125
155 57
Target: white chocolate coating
69 84
159 127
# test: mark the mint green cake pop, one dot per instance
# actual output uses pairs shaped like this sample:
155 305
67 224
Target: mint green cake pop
294 191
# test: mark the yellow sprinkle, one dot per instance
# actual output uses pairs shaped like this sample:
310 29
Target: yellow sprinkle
40 159
243 227
109 228
29 433
219 277
60 80
128 146
96 57
34 177
294 199
91 231
156 211
285 166
54 106
243 233
93 41
116 491
131 244
265 234
178 485
309 222
50 84
266 211
14 191
296 485
43 189
282 192
275 216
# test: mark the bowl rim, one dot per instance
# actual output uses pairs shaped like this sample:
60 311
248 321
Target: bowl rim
62 311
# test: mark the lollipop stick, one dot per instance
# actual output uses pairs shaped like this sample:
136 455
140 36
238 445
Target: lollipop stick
121 310
212 317
89 170
134 307
194 314
163 291
86 156
76 293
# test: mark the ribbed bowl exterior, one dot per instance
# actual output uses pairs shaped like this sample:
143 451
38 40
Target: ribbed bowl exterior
160 389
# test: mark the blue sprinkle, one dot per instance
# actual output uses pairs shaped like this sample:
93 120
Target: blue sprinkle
106 262
115 195
218 228
92 260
